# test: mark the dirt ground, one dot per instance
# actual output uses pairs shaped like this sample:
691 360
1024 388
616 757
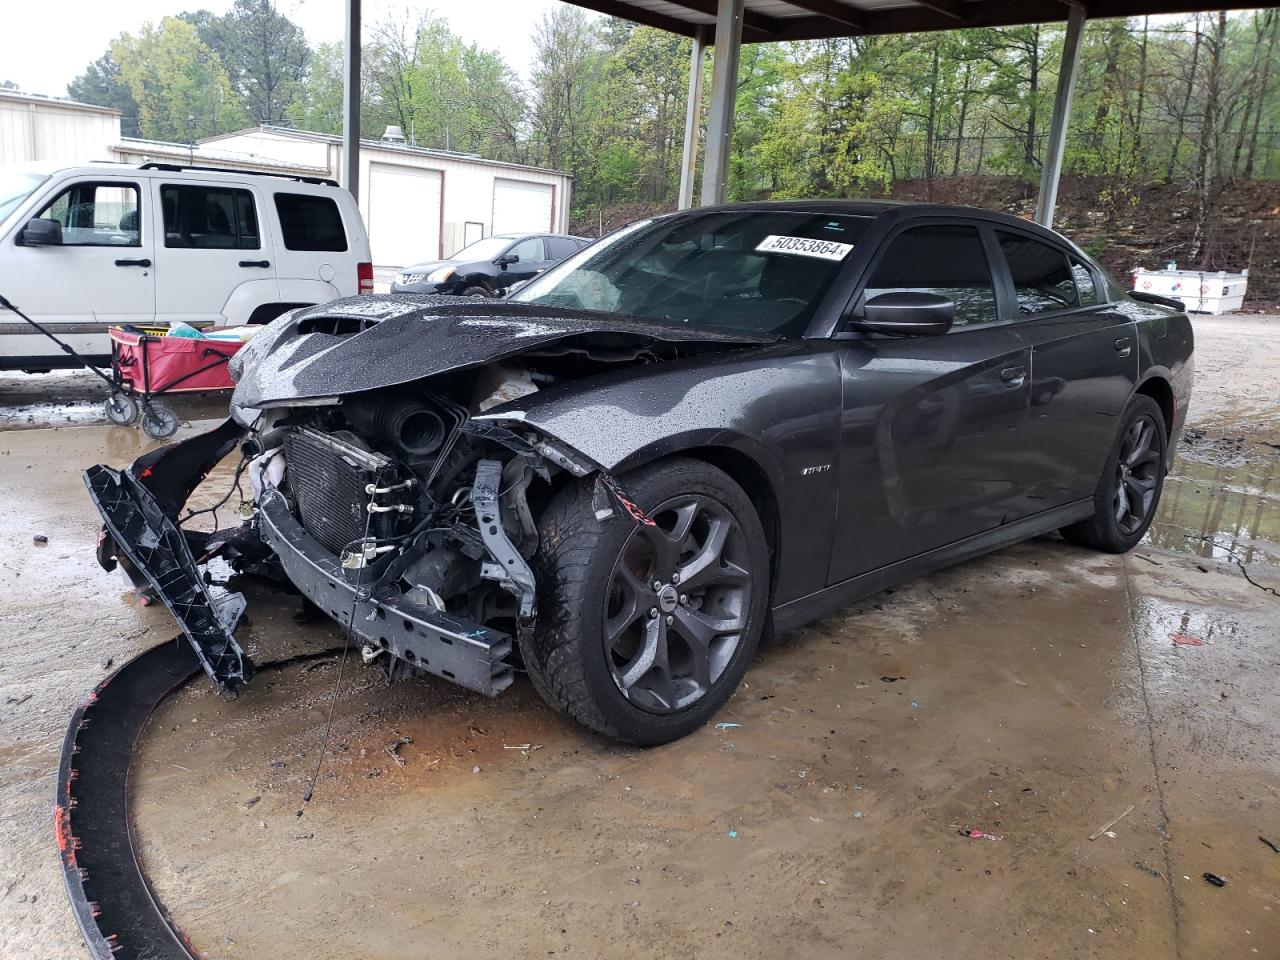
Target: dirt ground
1033 694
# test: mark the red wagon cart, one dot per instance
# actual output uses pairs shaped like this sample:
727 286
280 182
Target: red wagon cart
146 364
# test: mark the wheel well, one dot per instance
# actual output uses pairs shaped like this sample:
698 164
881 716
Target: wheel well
753 480
267 312
1158 389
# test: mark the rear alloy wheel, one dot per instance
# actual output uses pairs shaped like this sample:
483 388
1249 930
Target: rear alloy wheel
1129 490
645 630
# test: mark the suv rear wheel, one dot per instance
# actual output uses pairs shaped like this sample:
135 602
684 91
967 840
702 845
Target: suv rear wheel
646 630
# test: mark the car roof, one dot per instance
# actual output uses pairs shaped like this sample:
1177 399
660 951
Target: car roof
895 209
168 171
525 236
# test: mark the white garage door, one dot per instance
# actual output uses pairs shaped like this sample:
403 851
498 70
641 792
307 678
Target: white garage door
521 207
404 214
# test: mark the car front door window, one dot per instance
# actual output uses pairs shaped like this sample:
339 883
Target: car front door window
529 251
97 215
943 259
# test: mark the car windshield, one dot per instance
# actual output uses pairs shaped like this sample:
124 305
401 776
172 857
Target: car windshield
490 248
756 271
16 186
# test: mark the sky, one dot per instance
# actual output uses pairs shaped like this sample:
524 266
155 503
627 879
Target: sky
79 30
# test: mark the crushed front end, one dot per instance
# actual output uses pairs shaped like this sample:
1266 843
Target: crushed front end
378 492
408 525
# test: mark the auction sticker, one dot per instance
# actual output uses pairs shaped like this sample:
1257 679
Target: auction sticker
804 247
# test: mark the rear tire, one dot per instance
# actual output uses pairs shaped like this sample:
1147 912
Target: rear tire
601 653
1129 489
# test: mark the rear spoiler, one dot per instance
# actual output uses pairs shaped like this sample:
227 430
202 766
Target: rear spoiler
1158 300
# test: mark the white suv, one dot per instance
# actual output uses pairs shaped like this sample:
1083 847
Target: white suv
83 248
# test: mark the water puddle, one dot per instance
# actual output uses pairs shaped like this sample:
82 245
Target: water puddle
1221 512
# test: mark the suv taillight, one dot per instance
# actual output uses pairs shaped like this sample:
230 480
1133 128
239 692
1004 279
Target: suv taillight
364 277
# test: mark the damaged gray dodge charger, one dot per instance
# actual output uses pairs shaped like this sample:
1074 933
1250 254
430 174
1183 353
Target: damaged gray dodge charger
700 429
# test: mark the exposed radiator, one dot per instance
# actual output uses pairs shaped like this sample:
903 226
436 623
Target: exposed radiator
328 477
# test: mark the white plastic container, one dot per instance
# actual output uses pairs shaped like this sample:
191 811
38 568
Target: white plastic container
1199 292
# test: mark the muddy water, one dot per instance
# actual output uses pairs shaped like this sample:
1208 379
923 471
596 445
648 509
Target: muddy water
76 397
1222 512
1033 695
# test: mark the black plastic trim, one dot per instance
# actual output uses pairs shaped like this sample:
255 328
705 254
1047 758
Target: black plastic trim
796 613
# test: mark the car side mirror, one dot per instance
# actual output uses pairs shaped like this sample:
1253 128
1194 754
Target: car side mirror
907 314
40 232
508 258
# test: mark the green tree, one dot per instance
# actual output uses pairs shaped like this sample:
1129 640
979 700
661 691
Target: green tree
100 84
264 53
318 105
567 71
182 91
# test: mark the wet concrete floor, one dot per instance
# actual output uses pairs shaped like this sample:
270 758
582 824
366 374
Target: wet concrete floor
1033 694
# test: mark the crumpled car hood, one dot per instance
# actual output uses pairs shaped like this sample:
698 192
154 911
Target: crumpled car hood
385 341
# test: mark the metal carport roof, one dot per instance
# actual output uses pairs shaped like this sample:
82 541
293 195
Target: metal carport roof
735 22
769 20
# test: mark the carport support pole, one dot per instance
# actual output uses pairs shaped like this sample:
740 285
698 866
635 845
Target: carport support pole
1052 169
351 101
724 89
692 116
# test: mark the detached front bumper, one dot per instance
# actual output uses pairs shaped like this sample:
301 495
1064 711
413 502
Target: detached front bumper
141 532
466 653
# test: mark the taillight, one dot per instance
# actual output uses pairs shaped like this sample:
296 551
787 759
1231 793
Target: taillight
364 277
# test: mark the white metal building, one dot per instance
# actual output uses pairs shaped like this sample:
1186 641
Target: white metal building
47 128
418 204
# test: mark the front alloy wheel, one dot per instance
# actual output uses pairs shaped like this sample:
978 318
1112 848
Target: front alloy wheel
677 604
645 630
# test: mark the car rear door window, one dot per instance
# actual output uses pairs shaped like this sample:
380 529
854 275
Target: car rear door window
560 247
97 215
209 218
1043 281
948 260
309 222
1086 290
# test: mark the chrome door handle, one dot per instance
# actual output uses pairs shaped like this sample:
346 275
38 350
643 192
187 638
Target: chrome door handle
1014 376
1124 346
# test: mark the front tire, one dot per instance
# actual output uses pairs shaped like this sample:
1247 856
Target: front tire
476 290
1129 490
645 631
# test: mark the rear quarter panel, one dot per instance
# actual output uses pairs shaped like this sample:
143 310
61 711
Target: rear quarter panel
1166 350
